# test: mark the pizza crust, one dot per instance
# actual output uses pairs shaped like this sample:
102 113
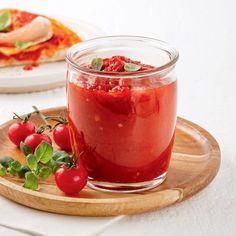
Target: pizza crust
57 56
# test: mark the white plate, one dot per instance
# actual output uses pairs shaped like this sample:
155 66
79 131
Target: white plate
45 76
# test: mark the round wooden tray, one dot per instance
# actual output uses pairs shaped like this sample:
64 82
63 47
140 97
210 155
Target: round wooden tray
194 164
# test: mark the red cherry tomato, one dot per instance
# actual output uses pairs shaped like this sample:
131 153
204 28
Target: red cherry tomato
34 140
71 180
18 131
61 137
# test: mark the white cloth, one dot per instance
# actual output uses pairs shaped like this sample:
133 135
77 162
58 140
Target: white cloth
29 221
204 33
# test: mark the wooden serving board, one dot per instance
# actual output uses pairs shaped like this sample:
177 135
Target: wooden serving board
194 164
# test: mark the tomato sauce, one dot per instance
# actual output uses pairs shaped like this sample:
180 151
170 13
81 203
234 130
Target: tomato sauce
30 66
125 133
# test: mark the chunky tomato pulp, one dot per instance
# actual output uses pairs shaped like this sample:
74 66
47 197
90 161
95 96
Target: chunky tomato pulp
124 133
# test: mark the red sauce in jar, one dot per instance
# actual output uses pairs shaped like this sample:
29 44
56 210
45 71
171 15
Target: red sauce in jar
126 133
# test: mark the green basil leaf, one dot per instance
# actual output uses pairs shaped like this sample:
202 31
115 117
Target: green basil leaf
67 159
32 161
39 167
97 63
3 171
22 45
45 172
31 181
12 171
54 165
59 155
5 161
15 165
25 149
44 152
5 20
130 67
22 171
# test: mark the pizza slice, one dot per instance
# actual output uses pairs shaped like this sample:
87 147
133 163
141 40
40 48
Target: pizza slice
28 38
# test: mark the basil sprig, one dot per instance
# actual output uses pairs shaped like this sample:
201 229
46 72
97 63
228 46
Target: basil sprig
40 164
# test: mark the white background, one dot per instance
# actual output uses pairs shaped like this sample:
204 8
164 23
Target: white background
204 32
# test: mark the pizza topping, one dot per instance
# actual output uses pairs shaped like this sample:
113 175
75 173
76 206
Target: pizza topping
22 45
5 20
37 31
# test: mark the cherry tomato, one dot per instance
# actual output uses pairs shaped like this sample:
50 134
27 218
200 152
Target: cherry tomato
18 131
61 137
71 180
34 140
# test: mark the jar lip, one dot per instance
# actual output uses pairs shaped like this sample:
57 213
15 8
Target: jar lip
164 46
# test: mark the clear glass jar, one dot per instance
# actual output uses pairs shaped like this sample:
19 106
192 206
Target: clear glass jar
123 123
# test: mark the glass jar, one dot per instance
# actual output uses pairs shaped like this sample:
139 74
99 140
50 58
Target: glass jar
122 124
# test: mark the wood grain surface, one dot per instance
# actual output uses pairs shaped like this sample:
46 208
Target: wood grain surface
195 162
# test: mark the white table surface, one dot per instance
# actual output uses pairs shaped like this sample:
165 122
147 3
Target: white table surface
204 33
